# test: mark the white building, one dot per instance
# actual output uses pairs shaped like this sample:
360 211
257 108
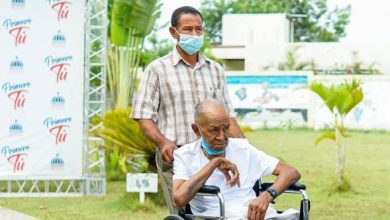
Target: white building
255 42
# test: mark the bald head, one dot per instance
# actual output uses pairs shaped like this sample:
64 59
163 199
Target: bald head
208 109
212 123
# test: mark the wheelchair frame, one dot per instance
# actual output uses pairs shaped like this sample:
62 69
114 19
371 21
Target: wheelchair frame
296 188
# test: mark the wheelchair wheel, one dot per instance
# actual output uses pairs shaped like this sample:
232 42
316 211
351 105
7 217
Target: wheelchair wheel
173 217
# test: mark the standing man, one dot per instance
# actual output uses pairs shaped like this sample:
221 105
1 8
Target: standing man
170 89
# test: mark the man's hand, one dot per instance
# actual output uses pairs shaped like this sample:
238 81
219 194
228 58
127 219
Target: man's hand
151 131
166 151
230 171
258 207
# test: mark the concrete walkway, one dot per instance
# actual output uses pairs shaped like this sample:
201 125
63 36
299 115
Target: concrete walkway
8 214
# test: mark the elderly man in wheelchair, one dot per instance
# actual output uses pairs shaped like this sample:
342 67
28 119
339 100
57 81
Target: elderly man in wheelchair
232 165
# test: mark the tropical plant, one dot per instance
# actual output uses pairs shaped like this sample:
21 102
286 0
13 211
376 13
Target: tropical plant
292 61
127 148
156 48
130 22
340 99
358 66
115 165
321 24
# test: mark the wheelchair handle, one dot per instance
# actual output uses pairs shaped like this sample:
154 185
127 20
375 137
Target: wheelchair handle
209 189
293 187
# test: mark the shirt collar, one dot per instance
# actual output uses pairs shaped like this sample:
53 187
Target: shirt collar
201 58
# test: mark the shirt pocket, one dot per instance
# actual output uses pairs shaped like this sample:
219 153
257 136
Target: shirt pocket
210 92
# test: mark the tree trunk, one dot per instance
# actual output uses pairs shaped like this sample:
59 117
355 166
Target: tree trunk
340 151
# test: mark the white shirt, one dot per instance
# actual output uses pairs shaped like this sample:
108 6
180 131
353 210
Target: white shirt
251 163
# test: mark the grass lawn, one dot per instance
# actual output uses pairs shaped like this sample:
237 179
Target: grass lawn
367 169
116 205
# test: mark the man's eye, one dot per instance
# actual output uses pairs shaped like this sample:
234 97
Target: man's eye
213 130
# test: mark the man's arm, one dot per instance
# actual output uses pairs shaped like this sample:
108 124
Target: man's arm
286 175
185 190
151 131
235 131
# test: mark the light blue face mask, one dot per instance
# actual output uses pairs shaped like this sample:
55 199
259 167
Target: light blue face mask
209 150
191 44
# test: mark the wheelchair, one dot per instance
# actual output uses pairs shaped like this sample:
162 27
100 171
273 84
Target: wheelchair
296 188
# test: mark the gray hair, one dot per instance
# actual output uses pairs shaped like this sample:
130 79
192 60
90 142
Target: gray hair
202 107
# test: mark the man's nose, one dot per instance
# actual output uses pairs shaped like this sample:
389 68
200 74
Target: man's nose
221 135
193 32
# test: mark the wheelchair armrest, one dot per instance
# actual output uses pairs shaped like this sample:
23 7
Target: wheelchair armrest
209 189
293 187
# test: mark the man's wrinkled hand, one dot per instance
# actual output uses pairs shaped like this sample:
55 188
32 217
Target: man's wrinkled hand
166 151
230 171
258 207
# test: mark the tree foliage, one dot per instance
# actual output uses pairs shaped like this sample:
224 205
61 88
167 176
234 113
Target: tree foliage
156 48
130 22
127 149
320 25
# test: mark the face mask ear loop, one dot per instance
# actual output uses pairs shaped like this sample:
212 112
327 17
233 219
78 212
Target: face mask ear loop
178 33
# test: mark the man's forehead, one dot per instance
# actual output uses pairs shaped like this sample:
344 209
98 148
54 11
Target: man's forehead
189 19
220 120
219 124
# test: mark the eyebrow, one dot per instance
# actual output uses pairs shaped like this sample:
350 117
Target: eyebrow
227 124
186 26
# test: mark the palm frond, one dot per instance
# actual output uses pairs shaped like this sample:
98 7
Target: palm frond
133 18
123 133
325 135
339 98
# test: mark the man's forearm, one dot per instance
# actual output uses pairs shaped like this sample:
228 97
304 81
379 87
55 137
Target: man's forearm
187 190
151 131
235 131
287 176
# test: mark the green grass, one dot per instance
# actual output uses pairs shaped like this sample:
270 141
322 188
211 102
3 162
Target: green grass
117 204
367 169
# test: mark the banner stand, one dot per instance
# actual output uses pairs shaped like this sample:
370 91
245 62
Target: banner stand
93 179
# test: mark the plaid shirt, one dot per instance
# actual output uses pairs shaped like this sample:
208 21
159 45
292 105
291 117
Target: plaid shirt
170 89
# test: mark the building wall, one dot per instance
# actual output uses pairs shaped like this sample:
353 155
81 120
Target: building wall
243 29
278 99
325 55
261 40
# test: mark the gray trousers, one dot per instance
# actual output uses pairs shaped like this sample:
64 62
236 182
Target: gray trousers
165 172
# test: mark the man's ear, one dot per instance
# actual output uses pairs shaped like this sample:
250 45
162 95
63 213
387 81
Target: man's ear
174 33
195 128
